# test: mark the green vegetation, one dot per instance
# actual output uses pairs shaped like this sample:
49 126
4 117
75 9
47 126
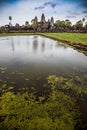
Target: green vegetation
15 34
55 109
69 37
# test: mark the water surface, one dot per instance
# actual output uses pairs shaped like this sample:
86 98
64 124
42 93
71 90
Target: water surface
27 60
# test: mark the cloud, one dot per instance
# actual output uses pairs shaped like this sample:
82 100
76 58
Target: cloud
70 16
84 12
52 4
54 12
26 10
72 12
85 16
39 8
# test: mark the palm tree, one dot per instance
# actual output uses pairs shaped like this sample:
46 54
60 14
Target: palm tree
10 19
83 20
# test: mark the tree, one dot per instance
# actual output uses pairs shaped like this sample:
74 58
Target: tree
68 23
17 25
10 19
79 25
27 24
1 29
85 26
35 23
83 20
63 23
26 27
58 23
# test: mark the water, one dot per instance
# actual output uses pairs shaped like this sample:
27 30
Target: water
26 61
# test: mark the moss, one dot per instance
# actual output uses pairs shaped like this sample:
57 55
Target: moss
57 109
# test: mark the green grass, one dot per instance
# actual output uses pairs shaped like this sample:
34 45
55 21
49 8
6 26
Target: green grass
15 34
69 37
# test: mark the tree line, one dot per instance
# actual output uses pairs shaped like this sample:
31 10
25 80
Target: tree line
46 26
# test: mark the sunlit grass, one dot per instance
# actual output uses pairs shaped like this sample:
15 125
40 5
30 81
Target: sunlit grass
69 37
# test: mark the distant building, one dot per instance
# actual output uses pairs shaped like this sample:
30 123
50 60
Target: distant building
43 24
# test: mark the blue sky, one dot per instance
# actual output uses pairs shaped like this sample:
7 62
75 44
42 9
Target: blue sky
26 10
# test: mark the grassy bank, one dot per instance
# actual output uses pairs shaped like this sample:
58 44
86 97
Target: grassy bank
15 34
77 40
69 37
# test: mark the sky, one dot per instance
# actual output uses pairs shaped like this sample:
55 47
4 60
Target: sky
26 10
